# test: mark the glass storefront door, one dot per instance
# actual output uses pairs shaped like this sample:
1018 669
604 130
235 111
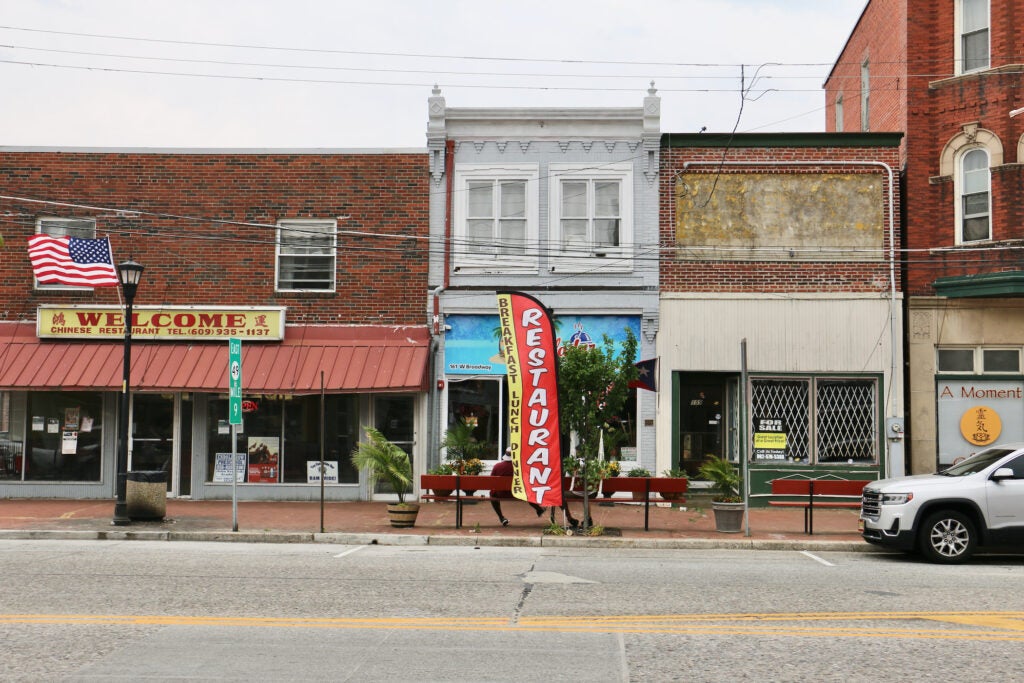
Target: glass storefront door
706 426
153 426
394 416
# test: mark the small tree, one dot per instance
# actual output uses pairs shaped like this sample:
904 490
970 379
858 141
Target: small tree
593 385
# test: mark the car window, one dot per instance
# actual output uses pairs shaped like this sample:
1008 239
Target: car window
1017 465
977 462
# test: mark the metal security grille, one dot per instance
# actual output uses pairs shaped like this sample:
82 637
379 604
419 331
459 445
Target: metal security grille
787 400
846 420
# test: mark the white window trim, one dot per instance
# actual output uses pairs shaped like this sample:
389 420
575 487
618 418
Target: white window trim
466 263
40 222
958 186
608 259
958 41
295 222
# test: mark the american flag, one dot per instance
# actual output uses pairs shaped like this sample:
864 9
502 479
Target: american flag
72 261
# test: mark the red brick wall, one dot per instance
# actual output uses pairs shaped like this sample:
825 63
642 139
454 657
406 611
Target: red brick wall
679 274
878 37
920 36
381 275
939 107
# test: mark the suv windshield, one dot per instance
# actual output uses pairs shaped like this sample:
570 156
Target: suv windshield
977 462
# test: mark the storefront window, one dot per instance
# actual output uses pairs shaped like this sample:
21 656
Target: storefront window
481 404
64 437
822 420
280 437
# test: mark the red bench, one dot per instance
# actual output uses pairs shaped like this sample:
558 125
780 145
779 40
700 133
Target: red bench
821 493
452 488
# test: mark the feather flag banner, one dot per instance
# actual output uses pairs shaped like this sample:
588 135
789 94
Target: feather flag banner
531 361
72 261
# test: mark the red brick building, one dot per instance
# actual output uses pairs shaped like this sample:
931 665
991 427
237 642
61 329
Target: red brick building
948 74
316 260
781 321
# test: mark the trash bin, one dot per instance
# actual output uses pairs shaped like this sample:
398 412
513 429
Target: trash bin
146 494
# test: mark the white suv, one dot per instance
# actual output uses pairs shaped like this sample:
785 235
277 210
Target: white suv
947 515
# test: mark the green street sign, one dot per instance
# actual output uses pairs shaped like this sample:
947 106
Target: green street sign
235 381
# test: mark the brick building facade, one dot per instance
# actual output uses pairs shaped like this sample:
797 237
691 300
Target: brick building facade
947 74
781 327
325 250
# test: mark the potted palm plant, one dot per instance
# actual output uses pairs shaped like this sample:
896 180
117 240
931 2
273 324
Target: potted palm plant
727 501
385 461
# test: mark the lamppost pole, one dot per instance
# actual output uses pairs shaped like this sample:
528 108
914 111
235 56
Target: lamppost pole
129 273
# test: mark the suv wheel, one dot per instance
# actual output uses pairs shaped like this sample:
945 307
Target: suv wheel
948 537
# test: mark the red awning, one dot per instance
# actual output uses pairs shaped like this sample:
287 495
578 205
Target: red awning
352 359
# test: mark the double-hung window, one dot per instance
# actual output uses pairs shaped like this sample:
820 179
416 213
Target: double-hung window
495 218
973 45
306 255
82 228
974 196
591 211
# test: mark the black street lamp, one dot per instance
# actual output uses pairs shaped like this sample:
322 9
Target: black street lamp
129 273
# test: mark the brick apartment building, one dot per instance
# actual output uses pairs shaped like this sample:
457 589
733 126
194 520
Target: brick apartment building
316 260
948 74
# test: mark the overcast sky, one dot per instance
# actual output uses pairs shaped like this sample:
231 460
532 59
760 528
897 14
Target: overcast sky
340 74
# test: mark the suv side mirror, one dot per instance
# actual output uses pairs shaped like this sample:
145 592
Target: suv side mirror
1002 473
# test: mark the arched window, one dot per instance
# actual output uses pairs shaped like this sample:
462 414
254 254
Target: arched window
974 205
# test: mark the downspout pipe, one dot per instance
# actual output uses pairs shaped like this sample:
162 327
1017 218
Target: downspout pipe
890 176
437 328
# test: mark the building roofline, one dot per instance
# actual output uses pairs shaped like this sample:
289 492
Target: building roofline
781 139
311 151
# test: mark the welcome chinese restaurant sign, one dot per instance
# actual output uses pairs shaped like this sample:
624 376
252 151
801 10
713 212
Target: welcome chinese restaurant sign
253 323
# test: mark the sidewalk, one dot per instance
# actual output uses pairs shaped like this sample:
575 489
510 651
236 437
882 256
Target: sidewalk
366 523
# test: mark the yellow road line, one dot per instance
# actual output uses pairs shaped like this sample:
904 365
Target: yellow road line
986 626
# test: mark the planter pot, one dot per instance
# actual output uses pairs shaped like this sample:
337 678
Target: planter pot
728 517
678 495
469 492
442 492
403 515
639 495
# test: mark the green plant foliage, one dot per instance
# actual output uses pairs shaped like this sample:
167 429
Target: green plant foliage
593 385
638 472
725 478
674 473
384 461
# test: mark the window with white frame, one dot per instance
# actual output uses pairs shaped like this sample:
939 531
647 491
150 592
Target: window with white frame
839 114
591 209
974 205
82 228
306 255
973 44
865 95
495 218
978 360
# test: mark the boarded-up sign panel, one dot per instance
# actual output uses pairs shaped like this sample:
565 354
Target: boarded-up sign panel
780 215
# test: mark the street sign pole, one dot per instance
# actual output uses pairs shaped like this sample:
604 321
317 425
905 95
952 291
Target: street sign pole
234 418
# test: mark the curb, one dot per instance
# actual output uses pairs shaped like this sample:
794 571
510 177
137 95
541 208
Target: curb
441 540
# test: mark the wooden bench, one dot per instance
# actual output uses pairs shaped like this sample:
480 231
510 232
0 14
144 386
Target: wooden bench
817 493
645 490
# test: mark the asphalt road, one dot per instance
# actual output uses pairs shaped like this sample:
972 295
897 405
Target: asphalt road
106 610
